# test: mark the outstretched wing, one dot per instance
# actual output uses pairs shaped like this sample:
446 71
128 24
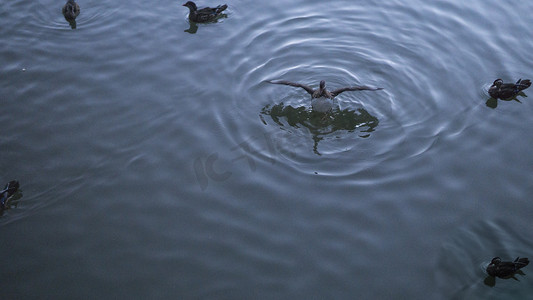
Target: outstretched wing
353 88
303 86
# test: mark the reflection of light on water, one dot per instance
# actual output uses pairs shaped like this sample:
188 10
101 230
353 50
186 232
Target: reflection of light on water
321 124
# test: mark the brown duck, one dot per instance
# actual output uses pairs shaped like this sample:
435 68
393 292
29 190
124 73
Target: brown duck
71 10
506 269
206 14
506 91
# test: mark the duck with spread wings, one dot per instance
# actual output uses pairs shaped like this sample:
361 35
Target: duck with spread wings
323 94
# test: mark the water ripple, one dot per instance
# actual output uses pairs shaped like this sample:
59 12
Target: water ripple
48 14
309 48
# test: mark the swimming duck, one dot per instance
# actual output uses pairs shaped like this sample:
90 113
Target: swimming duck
71 10
505 269
10 188
206 14
507 91
319 95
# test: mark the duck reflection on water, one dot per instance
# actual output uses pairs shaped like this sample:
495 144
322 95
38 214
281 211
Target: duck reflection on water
325 117
193 26
72 23
321 124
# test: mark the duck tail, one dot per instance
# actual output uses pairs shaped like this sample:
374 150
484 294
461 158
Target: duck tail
521 262
523 84
221 8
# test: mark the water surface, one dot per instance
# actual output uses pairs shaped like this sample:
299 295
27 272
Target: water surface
159 163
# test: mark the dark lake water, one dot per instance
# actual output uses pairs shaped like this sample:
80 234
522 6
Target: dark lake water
156 162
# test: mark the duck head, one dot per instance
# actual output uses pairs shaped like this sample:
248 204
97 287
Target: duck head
496 261
497 83
322 86
8 191
191 5
493 267
11 187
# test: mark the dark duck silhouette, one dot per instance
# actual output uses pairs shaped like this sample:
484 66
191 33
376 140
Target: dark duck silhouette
10 189
506 269
319 96
206 14
71 10
507 91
